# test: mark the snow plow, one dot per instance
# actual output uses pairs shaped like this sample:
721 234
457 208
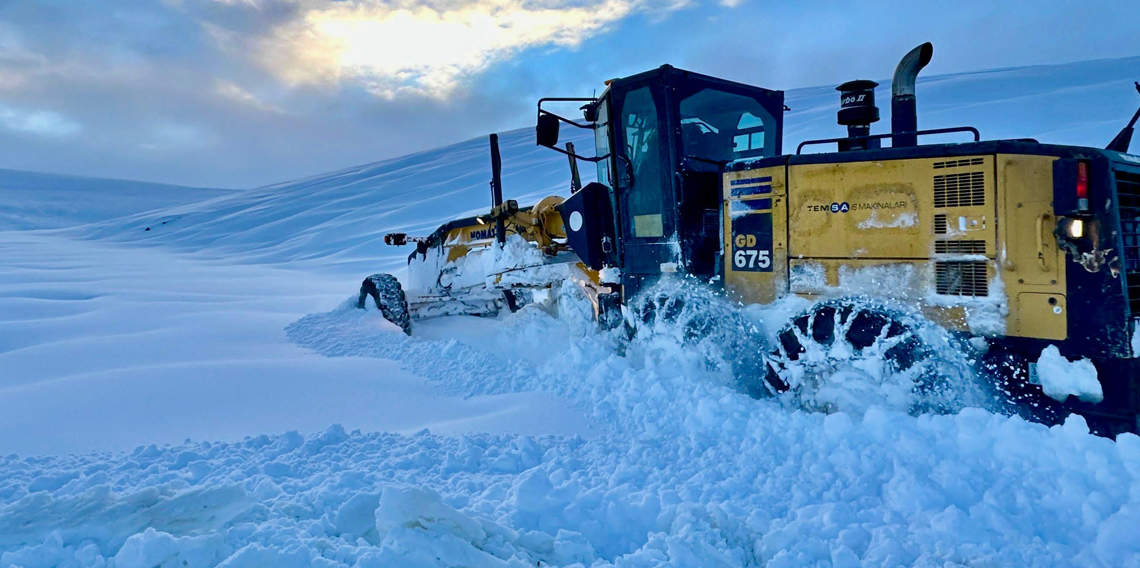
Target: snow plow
1026 254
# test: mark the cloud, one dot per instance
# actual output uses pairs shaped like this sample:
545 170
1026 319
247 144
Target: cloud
428 47
39 122
235 93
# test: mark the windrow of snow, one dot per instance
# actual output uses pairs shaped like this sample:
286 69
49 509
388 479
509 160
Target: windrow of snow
339 219
687 472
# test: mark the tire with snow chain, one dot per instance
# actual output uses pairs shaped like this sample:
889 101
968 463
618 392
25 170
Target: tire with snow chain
388 295
691 315
851 353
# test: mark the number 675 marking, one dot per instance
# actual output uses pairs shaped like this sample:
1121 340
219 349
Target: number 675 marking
752 258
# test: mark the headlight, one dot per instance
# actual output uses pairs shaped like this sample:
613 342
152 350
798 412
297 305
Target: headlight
1075 229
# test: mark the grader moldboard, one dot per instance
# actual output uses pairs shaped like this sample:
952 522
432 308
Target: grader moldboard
1009 246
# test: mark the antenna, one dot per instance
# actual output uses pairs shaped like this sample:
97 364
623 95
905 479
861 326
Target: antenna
1124 138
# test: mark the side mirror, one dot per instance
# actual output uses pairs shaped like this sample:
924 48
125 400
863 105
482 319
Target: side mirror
590 112
546 131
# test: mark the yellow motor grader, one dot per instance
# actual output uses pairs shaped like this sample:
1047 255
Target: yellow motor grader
1013 245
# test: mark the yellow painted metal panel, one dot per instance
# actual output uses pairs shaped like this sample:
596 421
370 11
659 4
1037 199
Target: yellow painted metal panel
1043 316
753 186
887 209
1030 259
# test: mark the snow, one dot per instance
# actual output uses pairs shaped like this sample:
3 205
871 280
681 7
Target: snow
1061 378
104 347
203 394
34 200
1135 343
899 221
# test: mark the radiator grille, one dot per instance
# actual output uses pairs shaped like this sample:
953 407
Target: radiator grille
966 278
1128 193
960 247
940 224
957 163
960 190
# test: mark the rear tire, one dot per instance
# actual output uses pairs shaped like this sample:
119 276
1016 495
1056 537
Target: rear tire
388 295
852 351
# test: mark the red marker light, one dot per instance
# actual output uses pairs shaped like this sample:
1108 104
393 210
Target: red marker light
1083 186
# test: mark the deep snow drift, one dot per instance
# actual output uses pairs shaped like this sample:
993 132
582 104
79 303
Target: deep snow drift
526 440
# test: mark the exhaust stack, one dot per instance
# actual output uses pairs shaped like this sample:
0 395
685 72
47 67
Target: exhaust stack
904 112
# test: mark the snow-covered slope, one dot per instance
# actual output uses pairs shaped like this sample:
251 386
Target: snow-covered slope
31 200
340 217
525 440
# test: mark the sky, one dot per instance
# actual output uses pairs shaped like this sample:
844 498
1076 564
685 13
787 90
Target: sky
243 93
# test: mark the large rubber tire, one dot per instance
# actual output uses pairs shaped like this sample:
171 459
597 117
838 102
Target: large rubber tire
856 335
388 295
695 317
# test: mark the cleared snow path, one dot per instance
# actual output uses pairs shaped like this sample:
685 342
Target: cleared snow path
104 347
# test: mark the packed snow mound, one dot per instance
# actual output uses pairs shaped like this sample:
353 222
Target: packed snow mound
1061 378
340 218
31 200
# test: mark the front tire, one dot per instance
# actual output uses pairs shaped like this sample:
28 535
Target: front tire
388 296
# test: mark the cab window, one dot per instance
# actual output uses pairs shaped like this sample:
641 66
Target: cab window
602 142
641 138
719 127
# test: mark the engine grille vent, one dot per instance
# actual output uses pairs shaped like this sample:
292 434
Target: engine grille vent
964 278
940 224
1128 193
966 189
956 163
960 247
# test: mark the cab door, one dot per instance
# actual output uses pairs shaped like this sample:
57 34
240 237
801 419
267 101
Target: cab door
644 185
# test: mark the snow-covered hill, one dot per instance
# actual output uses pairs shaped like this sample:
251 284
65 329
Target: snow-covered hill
210 340
340 218
31 200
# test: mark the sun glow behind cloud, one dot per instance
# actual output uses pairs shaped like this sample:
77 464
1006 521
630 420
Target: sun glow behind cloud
428 47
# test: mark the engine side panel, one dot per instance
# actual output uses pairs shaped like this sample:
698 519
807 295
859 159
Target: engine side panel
968 239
